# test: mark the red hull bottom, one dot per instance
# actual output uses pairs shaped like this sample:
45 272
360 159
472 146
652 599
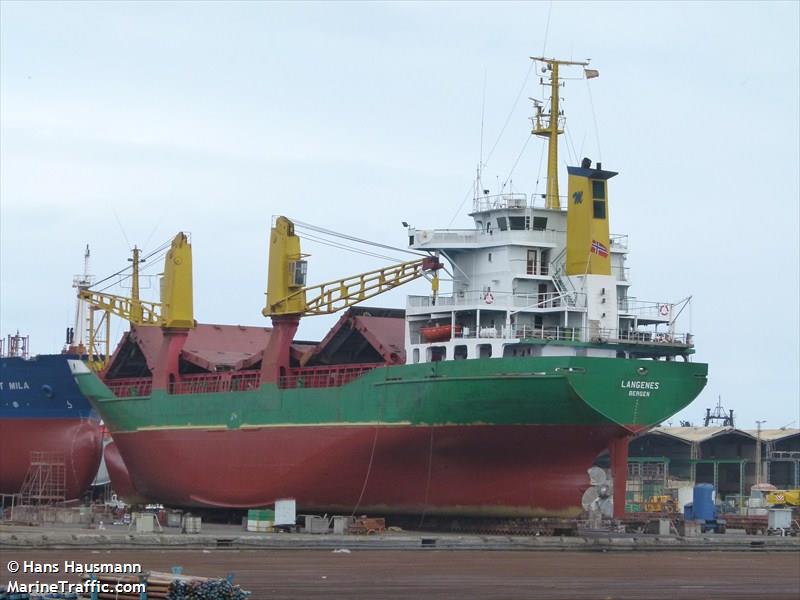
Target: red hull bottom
534 470
80 441
120 478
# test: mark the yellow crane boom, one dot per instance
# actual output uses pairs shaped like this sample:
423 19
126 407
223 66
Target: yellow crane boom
176 307
287 293
175 311
137 312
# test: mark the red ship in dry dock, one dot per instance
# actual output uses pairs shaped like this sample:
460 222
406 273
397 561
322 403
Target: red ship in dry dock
549 362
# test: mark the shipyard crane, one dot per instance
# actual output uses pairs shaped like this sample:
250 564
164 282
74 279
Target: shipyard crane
289 299
173 312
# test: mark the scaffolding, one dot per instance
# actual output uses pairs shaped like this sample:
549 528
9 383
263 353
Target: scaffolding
15 345
647 477
45 481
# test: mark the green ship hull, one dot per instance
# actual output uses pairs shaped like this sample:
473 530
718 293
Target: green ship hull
506 436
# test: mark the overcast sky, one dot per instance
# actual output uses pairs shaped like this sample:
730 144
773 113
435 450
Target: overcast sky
122 124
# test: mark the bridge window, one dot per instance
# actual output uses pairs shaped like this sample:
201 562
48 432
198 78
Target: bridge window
517 223
502 223
539 223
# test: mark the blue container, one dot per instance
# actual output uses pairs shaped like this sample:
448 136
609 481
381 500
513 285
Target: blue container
703 508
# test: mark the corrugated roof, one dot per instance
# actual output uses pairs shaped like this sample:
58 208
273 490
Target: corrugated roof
698 434
701 434
772 435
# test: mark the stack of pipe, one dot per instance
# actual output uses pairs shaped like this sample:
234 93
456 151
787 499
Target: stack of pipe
167 586
210 589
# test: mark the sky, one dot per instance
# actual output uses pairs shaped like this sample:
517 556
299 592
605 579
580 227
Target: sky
124 123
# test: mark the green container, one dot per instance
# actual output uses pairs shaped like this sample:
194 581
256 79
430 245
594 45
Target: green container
260 514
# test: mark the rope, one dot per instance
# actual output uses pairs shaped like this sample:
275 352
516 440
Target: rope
352 238
511 112
366 476
483 112
159 249
121 228
547 27
508 117
371 458
539 171
573 155
348 248
162 250
150 265
458 210
528 138
594 118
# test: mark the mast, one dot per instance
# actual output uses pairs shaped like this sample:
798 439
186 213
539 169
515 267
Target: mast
80 282
136 303
547 125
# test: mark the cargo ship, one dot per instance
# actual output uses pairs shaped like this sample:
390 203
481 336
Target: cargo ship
491 400
43 414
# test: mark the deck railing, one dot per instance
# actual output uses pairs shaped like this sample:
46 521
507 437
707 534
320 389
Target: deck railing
189 384
325 377
649 338
571 334
661 311
206 383
493 300
130 387
435 237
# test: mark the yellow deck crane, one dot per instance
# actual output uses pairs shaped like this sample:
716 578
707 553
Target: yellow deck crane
174 311
288 297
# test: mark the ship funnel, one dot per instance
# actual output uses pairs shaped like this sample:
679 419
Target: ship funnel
588 241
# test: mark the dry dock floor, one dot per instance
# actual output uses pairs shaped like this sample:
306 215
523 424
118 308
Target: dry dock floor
430 573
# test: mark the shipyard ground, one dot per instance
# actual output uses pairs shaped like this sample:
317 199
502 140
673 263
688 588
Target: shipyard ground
413 565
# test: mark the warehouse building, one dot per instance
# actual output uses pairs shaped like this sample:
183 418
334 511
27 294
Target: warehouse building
727 457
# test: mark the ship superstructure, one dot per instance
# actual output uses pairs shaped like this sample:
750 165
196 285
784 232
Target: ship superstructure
515 293
539 276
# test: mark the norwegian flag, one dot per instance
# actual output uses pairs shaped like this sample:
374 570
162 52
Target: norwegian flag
599 249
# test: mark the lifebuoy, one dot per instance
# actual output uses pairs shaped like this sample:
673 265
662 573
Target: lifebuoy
663 310
488 298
